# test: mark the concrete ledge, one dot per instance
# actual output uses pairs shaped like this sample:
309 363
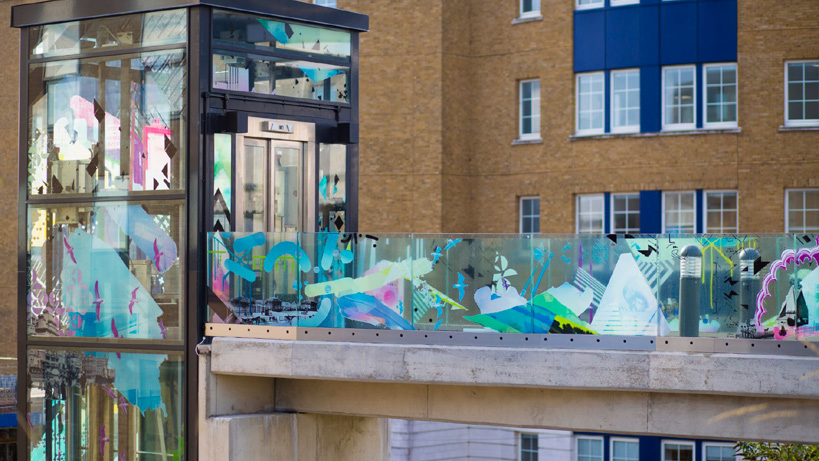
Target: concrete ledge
579 370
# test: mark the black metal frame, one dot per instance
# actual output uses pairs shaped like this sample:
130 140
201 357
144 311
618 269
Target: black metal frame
335 122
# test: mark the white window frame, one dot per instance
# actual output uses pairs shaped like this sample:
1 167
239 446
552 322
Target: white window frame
705 206
705 445
679 192
716 125
624 2
535 135
520 208
578 6
788 207
678 442
624 129
520 444
577 213
679 126
577 129
622 439
576 446
788 121
613 211
535 13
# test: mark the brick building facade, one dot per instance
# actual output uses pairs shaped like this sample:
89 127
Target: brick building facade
439 118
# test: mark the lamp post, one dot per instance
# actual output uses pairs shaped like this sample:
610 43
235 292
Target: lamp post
690 273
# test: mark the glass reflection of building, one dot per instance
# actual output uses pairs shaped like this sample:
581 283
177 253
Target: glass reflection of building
141 131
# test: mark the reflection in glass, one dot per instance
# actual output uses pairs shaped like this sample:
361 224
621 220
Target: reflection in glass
104 126
332 187
279 77
222 190
271 35
154 28
110 270
105 405
286 188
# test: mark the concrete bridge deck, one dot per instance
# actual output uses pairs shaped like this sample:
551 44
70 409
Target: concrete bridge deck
716 395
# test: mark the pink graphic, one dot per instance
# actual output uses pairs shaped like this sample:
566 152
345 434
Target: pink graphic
133 300
109 391
69 249
157 255
114 329
103 440
123 405
804 255
97 300
157 164
162 329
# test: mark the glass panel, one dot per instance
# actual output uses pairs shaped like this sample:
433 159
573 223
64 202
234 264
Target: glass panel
107 126
117 32
105 405
107 270
811 71
271 35
274 76
795 72
253 181
332 187
287 161
812 199
222 178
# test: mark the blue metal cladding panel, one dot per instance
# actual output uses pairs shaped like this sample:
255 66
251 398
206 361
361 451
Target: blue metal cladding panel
650 116
607 213
700 212
698 78
589 41
717 31
678 33
632 37
650 212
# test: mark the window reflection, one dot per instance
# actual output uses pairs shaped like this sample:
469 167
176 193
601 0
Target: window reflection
104 405
111 270
104 126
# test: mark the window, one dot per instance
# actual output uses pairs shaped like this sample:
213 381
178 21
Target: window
625 213
802 210
625 101
802 93
589 449
678 451
588 4
679 98
529 8
330 3
719 452
528 447
624 2
529 109
720 95
679 213
529 215
721 212
590 103
590 214
625 449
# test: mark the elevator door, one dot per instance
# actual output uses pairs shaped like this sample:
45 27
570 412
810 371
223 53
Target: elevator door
270 182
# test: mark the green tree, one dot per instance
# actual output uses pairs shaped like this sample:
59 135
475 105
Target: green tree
752 451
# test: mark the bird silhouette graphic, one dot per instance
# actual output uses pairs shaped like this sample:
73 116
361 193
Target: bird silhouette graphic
69 249
162 328
123 405
103 440
157 255
109 391
97 300
133 301
460 287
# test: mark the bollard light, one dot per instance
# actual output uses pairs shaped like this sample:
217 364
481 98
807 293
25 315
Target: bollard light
690 274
